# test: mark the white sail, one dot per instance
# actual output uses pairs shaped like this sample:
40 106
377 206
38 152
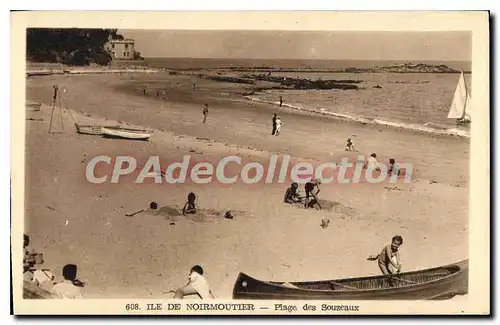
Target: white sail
461 105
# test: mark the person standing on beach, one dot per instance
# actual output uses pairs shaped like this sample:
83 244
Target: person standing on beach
274 123
281 101
279 123
205 113
393 168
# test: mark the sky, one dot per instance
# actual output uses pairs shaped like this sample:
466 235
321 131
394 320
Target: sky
388 46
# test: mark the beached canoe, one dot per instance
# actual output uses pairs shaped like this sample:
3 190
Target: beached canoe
125 133
442 282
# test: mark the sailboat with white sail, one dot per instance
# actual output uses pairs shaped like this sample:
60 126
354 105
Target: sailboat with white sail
462 102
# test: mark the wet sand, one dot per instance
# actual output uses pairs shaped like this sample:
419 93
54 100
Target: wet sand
148 254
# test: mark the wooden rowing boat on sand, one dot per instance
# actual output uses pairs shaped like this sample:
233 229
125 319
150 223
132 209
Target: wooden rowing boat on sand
442 282
125 133
89 129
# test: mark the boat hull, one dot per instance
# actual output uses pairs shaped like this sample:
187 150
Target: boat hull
125 134
446 287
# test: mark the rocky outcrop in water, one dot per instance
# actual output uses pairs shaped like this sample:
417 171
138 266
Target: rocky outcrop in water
405 68
301 83
231 79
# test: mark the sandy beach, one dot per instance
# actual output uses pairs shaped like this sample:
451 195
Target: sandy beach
73 221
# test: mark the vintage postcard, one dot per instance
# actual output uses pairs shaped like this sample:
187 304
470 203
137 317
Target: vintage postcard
250 163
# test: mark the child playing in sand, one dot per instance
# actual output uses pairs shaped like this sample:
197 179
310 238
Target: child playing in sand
350 145
291 195
388 260
311 197
197 284
372 163
190 206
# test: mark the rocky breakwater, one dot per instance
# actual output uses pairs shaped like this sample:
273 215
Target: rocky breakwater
300 83
405 68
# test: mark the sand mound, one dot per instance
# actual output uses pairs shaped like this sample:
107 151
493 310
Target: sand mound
173 213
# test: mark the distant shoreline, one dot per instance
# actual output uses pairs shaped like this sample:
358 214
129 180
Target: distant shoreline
287 65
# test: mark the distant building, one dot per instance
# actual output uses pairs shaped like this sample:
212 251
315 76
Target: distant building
121 49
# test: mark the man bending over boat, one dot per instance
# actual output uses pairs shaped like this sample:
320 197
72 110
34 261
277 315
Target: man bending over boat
388 260
197 285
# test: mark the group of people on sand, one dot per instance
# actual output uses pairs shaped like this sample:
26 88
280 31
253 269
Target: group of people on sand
69 288
388 262
310 200
373 164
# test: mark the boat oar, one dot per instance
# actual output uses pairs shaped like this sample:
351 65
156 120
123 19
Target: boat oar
152 206
133 214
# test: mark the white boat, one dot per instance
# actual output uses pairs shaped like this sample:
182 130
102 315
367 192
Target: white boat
91 129
125 133
462 102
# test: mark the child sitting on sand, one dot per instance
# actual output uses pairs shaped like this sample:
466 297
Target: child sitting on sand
190 206
350 145
197 284
388 260
291 195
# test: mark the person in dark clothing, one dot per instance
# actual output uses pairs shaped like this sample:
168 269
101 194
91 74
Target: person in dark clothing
281 101
205 113
291 195
393 168
274 123
312 195
190 206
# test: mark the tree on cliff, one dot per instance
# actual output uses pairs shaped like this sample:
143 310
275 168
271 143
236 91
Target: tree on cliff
73 46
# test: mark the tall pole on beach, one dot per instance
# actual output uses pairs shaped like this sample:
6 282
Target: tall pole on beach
54 98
